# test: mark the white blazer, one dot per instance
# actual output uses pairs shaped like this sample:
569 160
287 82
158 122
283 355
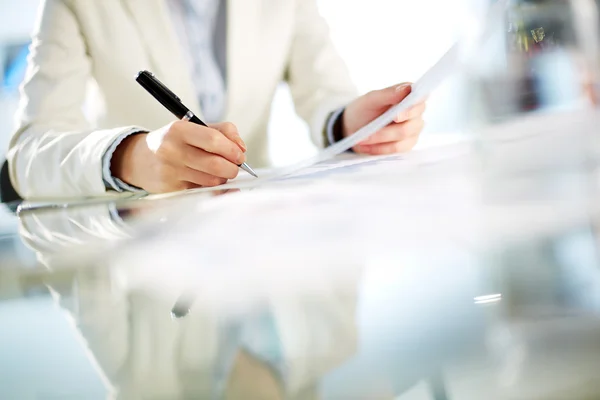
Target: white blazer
57 149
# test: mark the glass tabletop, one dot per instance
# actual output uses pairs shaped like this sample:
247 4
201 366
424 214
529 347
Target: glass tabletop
391 282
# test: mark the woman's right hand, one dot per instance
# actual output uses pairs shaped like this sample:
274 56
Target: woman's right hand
181 155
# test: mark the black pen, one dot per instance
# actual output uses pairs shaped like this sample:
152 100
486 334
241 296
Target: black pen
173 103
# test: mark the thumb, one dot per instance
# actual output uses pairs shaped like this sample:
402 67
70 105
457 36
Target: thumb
392 95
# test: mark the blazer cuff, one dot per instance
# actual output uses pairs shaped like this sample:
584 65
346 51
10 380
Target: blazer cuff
333 125
111 182
334 130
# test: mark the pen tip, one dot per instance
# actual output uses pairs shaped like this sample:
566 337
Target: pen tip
249 170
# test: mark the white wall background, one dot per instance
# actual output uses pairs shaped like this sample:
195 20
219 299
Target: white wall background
384 42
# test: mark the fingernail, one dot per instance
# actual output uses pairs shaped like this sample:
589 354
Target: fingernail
402 87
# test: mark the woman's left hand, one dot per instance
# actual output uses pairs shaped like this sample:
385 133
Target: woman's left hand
398 137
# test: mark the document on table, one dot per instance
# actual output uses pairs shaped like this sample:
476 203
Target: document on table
434 150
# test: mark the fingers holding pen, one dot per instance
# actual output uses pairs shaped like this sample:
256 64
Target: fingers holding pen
231 132
213 140
209 163
181 154
184 155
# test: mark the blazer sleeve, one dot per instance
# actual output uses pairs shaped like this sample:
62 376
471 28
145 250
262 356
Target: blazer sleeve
318 77
54 152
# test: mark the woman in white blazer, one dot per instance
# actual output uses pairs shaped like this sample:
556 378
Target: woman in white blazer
93 50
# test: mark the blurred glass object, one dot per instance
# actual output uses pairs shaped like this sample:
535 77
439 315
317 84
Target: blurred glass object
545 339
536 116
536 122
543 57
